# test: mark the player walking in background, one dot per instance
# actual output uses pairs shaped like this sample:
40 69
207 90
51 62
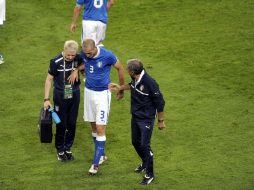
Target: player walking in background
95 18
66 97
146 102
97 64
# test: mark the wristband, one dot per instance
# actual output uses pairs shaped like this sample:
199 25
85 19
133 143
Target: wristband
160 120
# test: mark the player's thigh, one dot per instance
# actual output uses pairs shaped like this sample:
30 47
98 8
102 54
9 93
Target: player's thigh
89 29
101 31
89 106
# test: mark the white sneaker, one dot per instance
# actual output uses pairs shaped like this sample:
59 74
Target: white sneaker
103 159
93 170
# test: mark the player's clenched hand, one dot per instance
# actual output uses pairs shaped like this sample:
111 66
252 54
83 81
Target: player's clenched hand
73 27
120 95
47 104
161 125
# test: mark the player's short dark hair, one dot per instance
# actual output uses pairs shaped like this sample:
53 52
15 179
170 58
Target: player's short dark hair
88 43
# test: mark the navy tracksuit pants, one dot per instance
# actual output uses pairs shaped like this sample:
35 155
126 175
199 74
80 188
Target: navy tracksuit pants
67 110
141 140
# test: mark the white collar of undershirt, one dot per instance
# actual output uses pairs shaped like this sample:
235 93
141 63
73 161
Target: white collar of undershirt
140 77
98 52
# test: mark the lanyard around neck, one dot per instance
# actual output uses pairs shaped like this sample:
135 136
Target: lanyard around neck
72 65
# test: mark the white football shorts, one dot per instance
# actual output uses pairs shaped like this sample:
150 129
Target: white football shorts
93 30
2 11
97 106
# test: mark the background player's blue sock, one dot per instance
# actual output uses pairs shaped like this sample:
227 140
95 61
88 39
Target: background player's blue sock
99 149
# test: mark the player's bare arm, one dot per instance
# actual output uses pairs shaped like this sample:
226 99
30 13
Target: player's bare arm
117 87
110 3
76 12
119 67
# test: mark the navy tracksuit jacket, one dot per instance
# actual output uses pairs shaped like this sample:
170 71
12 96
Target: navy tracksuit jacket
146 100
67 109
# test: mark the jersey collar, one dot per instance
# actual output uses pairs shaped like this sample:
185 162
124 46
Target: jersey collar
140 77
98 52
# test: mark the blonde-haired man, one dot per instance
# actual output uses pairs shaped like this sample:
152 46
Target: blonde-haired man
66 97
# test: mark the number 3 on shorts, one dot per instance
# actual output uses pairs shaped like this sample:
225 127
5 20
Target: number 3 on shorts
97 3
102 115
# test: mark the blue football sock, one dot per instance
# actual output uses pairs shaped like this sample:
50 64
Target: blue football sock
99 149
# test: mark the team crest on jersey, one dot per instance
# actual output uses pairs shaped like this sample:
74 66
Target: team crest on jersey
99 64
141 87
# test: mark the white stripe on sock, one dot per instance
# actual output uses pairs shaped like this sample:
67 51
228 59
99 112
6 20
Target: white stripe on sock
101 138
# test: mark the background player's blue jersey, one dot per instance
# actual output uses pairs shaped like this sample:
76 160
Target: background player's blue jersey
98 68
94 10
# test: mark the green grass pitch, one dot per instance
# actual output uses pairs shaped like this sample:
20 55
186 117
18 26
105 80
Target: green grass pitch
200 52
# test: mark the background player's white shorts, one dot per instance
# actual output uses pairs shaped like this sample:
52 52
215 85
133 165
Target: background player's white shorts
2 11
93 30
97 106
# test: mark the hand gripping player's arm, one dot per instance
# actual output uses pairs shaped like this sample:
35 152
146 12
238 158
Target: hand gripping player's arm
74 74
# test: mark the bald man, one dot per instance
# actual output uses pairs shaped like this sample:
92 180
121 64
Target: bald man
97 64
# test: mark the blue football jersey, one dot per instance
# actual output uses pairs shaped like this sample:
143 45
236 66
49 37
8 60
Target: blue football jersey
97 69
94 10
